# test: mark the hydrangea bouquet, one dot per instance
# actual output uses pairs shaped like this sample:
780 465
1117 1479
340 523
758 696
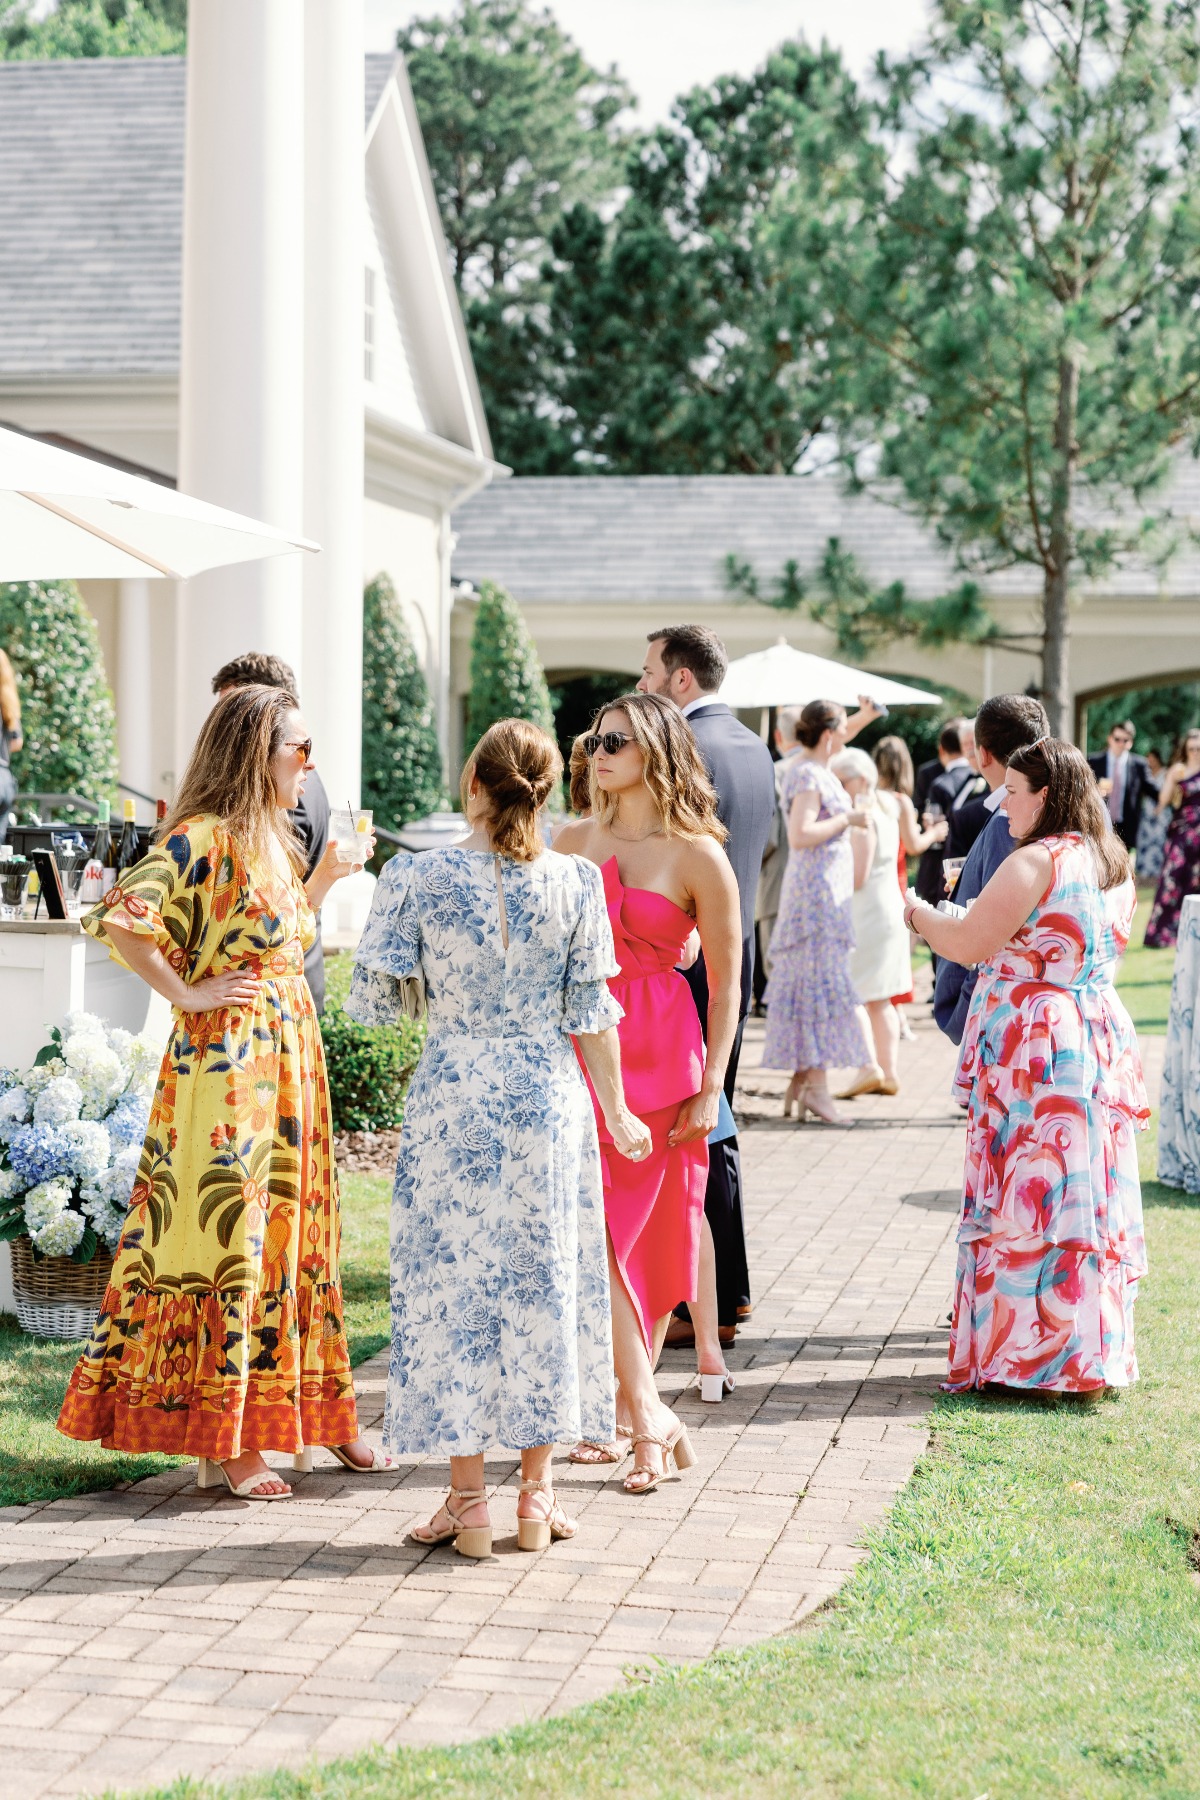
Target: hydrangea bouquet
71 1131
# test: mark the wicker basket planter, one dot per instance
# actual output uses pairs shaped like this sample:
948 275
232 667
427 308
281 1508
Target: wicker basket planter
57 1298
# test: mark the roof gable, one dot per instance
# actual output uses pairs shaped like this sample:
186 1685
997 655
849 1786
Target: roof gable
91 229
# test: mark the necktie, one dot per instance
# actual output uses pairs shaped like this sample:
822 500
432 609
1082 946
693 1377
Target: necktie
1117 793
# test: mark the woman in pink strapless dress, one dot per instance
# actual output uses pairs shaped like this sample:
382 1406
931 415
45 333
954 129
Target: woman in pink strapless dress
655 835
654 1208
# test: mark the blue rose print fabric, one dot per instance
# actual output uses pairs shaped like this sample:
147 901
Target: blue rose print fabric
501 1334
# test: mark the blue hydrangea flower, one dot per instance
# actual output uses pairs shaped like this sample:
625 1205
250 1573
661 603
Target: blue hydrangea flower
127 1122
39 1152
15 1109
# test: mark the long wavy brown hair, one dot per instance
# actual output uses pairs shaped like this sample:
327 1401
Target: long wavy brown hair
673 770
1072 804
518 766
229 774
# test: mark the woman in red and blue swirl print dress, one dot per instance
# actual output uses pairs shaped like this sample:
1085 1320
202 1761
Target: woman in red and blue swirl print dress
1051 1249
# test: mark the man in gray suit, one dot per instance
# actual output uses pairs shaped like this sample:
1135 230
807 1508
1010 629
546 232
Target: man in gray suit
687 664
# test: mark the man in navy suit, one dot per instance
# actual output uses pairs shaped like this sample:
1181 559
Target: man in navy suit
1124 781
687 664
1004 724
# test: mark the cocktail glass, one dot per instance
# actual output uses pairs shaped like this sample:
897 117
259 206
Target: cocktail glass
351 829
952 868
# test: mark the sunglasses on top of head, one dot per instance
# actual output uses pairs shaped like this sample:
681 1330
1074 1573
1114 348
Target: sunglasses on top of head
608 741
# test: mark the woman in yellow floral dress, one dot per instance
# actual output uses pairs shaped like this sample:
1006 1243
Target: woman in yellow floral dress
221 1333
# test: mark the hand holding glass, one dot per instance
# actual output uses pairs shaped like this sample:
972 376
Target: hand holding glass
351 829
952 868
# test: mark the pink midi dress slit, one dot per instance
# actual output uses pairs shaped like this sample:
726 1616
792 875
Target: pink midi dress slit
654 1208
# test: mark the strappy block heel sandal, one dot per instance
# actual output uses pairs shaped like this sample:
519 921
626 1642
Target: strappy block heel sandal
677 1448
380 1464
211 1474
469 1540
536 1534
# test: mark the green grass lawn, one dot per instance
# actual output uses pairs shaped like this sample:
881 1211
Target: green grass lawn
37 1464
1145 977
1027 1624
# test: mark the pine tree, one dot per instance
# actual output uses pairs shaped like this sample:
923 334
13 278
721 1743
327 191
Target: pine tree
506 677
67 714
402 775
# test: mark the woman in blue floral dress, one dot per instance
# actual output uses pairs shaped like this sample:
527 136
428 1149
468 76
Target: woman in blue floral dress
501 1333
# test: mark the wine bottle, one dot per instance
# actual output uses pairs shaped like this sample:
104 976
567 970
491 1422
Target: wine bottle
100 869
160 810
128 851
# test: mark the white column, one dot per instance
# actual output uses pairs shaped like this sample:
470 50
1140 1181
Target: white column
333 389
134 686
989 672
446 544
242 361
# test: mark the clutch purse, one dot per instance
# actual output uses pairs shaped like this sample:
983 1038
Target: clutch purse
412 996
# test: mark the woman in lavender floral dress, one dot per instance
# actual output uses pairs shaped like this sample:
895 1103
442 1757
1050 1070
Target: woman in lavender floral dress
813 1022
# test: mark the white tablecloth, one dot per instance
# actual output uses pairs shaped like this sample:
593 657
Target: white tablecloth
1179 1118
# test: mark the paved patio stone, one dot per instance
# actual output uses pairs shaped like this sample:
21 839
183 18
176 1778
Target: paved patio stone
155 1632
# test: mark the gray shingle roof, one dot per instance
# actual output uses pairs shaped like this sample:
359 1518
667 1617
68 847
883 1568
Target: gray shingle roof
91 213
665 538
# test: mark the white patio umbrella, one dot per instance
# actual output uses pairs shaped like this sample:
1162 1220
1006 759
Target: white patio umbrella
782 676
66 517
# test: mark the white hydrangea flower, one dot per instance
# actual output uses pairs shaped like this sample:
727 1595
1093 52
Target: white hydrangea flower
143 1061
116 1183
15 1110
61 1235
86 1024
120 1040
59 1101
91 1147
38 1079
98 1071
45 1203
10 1184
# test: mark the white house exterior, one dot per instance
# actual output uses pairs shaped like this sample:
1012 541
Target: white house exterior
211 271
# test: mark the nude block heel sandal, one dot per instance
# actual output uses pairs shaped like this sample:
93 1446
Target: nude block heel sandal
536 1534
469 1540
210 1474
302 1462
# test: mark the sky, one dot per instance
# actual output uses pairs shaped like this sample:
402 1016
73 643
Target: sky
664 47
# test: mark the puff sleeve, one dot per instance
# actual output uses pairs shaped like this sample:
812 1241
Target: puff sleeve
179 894
588 1005
389 949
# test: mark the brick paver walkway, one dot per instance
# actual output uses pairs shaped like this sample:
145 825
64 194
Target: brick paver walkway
158 1631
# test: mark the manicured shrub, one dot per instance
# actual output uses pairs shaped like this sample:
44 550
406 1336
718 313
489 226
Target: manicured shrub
67 712
369 1068
402 775
507 681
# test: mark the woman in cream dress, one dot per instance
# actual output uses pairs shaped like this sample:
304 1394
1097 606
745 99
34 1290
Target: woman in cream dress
879 964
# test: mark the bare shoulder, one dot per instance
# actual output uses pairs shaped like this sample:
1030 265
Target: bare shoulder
573 838
1031 865
703 859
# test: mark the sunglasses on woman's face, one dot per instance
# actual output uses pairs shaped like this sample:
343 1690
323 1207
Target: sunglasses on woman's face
608 741
304 748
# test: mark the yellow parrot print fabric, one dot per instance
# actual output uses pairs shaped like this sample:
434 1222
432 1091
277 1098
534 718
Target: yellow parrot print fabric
222 1328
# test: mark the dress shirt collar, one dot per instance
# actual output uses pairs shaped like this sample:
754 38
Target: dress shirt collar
958 762
692 705
995 799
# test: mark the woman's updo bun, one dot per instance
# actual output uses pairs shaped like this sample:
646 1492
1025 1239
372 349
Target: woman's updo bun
818 717
517 765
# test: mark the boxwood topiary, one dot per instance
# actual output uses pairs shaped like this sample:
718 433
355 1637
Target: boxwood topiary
369 1068
67 713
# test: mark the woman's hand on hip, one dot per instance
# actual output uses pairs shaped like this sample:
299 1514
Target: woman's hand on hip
236 987
695 1119
629 1135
